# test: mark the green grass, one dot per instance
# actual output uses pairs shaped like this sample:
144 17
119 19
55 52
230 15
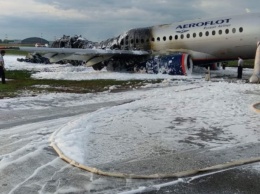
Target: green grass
247 63
20 83
14 52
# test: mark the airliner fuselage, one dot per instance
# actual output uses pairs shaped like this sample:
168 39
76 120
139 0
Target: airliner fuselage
216 39
199 41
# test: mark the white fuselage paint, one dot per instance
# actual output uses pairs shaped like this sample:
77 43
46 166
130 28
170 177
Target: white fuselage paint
239 35
228 45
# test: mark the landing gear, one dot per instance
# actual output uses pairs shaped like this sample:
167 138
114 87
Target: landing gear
255 78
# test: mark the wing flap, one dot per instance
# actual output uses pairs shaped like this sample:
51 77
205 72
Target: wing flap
83 51
91 56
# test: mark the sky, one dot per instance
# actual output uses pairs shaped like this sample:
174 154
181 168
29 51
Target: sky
101 19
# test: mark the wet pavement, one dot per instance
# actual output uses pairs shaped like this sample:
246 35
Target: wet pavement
185 163
28 164
241 180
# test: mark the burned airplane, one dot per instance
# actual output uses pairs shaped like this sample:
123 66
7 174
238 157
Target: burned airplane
175 47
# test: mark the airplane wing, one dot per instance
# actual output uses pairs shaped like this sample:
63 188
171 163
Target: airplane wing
91 56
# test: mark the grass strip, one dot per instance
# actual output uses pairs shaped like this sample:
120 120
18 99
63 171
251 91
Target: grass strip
20 83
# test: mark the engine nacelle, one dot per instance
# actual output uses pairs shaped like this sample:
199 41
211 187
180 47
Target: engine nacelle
175 64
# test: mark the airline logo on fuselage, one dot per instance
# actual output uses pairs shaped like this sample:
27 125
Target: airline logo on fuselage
207 25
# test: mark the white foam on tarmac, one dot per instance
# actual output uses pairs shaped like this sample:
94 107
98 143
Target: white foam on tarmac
206 114
201 104
206 100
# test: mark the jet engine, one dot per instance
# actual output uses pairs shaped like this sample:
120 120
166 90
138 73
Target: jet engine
174 64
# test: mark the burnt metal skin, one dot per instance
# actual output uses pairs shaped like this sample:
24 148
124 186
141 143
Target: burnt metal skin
134 39
205 40
74 42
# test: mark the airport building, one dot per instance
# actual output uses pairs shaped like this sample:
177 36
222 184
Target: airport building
35 40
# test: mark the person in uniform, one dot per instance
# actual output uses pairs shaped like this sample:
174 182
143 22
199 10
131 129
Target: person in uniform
2 66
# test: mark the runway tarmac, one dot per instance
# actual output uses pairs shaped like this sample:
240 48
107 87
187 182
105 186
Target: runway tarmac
29 165
164 128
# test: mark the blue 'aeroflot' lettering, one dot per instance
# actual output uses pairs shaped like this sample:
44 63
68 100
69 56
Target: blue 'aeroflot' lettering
207 23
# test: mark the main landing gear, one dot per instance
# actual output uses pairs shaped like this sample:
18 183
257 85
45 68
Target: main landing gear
255 78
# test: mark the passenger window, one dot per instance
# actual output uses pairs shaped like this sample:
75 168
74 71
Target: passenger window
188 35
153 39
158 38
220 32
170 38
241 29
207 33
176 37
182 36
234 30
200 34
227 31
132 41
164 38
122 42
142 41
126 42
137 41
213 32
194 35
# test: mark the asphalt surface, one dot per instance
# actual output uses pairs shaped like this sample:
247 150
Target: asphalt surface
29 165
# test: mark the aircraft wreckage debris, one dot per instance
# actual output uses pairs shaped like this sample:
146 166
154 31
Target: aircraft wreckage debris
63 42
175 64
